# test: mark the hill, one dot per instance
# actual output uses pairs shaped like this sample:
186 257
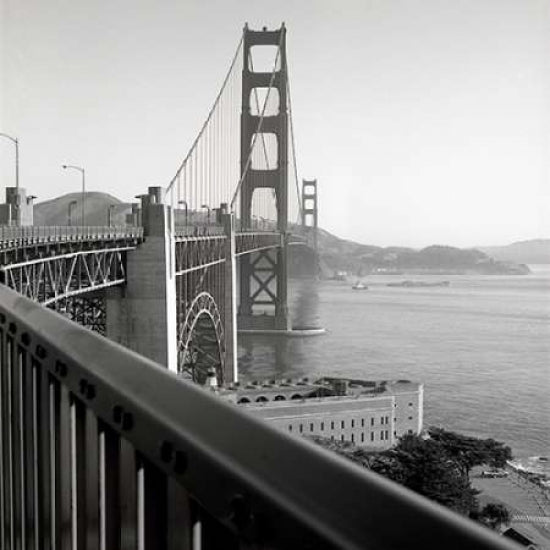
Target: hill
358 259
535 251
56 211
335 254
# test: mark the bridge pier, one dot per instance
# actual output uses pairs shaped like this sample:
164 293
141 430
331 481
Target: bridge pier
142 315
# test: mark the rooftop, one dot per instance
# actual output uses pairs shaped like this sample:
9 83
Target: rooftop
326 387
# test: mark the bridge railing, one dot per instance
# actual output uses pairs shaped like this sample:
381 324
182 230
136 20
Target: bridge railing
190 231
250 241
12 236
102 448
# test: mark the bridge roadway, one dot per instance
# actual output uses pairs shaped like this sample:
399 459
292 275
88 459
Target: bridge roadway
51 263
17 240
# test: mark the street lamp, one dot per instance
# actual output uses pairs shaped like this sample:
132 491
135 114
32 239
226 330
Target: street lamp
110 214
186 210
69 220
83 172
208 208
16 143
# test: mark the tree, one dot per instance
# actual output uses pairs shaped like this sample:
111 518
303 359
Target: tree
437 467
470 451
494 515
423 466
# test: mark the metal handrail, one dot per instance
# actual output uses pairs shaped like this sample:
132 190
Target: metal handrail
190 231
11 234
243 475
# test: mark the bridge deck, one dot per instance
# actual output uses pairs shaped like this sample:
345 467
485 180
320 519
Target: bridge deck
12 238
35 235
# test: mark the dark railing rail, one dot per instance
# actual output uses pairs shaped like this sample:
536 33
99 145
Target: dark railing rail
102 448
252 241
197 231
14 236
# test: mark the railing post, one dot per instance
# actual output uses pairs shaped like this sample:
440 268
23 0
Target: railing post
109 480
78 472
152 496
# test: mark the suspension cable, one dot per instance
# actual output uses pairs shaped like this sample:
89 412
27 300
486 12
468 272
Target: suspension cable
293 143
212 109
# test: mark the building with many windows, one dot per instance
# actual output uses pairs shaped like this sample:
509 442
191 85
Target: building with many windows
368 413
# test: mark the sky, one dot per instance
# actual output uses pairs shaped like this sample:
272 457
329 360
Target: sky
424 121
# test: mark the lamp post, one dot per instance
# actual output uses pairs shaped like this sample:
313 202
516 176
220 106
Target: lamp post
69 219
83 172
186 210
110 214
16 143
208 208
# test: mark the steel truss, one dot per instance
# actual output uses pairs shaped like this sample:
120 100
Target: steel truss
198 253
200 290
87 310
49 279
17 244
201 340
263 274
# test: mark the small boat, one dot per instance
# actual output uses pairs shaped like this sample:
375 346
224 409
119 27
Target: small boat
360 286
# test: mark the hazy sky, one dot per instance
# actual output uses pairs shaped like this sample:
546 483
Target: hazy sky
424 121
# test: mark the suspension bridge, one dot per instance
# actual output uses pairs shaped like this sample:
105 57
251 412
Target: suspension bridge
104 442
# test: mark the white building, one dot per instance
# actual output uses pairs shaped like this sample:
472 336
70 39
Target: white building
370 414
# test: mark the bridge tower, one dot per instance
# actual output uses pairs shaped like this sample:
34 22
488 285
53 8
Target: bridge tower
310 209
263 276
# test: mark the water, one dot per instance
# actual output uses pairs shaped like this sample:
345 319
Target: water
481 346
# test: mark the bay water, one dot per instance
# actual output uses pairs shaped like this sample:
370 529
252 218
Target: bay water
481 346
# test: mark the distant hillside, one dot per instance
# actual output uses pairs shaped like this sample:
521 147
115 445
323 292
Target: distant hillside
358 259
56 211
335 254
536 251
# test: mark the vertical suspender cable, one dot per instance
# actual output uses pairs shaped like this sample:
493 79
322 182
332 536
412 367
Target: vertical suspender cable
293 144
190 157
